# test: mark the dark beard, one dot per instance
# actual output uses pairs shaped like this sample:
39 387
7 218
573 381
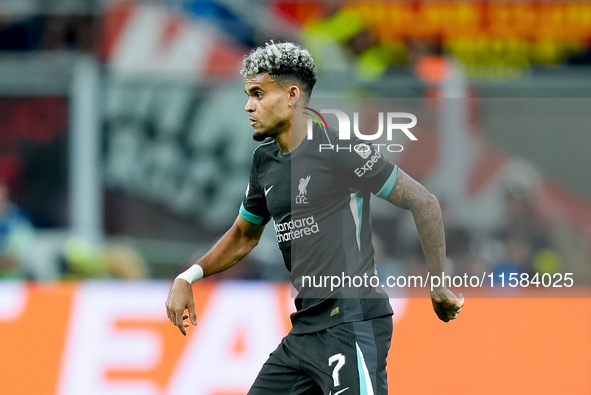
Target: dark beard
258 136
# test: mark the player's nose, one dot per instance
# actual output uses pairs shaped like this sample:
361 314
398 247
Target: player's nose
249 107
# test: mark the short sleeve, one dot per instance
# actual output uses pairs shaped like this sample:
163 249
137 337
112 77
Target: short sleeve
254 205
361 165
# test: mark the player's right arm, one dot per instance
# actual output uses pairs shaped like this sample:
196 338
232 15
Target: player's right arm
242 237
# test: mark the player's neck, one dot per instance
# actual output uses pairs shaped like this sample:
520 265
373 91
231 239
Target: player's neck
295 129
294 135
289 140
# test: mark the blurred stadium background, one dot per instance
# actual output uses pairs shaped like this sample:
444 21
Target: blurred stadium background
124 154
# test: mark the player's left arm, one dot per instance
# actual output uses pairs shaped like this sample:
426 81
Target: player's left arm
426 211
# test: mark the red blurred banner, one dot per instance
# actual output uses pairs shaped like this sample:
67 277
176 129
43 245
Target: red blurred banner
115 338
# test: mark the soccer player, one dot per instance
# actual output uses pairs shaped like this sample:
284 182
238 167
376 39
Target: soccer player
319 201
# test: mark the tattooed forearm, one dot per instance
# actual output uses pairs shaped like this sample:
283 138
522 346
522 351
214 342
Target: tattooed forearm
405 191
410 195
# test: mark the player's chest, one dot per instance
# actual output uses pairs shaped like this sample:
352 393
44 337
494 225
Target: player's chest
299 186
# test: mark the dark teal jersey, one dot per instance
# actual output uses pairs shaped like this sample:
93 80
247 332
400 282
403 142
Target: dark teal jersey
319 198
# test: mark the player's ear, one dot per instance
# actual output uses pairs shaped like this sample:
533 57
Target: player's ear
294 94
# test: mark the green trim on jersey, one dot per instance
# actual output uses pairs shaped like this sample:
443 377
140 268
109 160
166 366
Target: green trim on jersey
250 217
388 185
356 206
365 386
263 143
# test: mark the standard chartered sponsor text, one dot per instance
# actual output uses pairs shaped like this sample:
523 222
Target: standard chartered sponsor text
296 228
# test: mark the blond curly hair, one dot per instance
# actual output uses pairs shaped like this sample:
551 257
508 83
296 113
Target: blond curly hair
285 62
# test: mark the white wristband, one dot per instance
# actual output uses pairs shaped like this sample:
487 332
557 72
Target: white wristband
192 274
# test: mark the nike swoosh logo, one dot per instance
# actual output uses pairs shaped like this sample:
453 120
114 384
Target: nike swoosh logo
339 392
267 192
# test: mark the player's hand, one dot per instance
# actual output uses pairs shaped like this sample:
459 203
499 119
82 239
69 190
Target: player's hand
180 298
446 304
